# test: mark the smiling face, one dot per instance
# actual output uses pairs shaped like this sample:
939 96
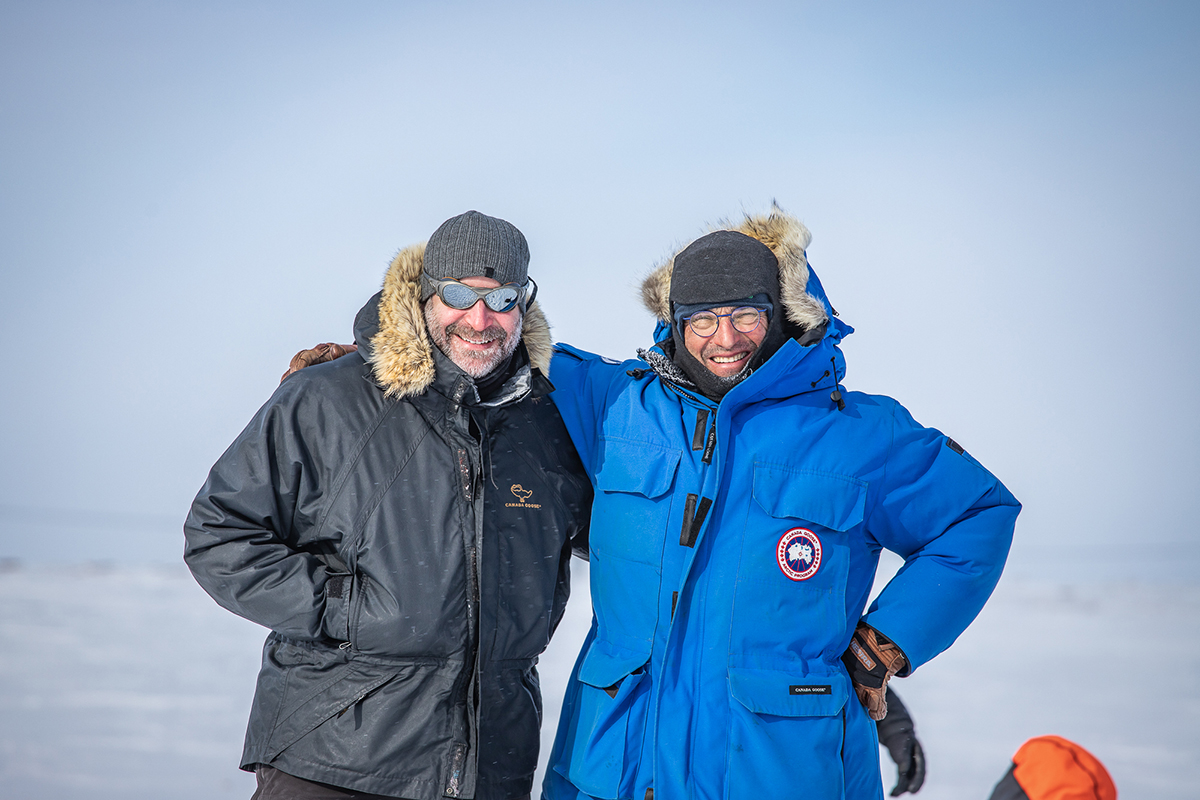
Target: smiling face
476 339
728 351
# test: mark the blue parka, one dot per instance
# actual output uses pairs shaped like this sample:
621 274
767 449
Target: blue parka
732 551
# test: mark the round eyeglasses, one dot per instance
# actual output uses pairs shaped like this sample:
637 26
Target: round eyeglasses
500 299
745 319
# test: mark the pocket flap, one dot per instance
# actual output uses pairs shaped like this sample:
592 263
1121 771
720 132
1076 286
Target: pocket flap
789 694
348 685
636 467
606 664
832 501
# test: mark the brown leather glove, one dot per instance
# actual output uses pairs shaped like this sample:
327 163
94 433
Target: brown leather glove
872 660
326 351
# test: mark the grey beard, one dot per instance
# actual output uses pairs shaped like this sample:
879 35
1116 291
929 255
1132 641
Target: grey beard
470 363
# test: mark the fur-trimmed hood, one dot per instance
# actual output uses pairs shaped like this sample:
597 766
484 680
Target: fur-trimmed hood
398 346
803 299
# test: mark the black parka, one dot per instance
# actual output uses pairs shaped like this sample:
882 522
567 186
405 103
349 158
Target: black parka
408 545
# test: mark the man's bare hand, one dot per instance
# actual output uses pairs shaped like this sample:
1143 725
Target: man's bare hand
326 351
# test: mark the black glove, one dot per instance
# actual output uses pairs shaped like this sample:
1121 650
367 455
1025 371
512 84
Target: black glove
898 734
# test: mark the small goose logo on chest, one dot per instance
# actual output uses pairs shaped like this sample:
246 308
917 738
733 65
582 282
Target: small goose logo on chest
522 494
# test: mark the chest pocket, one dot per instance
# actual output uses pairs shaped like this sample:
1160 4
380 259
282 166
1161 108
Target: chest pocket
636 467
631 512
630 516
790 599
831 501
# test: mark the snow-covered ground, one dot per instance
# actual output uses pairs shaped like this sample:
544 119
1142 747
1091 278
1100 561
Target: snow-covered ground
129 682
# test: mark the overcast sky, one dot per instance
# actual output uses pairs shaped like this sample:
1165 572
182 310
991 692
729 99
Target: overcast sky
1004 200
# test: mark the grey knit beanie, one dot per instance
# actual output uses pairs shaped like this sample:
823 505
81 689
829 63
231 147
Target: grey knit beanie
474 245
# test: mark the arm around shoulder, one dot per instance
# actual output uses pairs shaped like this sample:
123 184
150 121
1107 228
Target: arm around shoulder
583 383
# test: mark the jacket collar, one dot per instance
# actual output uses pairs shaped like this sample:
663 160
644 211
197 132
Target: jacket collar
453 383
792 370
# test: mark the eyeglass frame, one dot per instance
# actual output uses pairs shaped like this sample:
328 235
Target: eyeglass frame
758 321
524 296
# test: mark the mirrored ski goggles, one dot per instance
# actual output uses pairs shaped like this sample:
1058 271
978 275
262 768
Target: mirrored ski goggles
500 299
704 323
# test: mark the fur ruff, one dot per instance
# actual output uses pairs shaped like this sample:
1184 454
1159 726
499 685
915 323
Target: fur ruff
786 236
402 352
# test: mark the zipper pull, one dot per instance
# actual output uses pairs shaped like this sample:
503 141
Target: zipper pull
456 768
701 426
464 474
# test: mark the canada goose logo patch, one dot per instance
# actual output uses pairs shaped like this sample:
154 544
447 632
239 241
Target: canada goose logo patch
799 554
522 494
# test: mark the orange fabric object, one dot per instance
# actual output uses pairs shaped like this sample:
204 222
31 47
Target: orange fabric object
1054 768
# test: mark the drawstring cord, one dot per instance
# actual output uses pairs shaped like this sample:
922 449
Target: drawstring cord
836 395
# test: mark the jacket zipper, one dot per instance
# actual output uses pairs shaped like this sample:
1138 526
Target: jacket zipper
467 477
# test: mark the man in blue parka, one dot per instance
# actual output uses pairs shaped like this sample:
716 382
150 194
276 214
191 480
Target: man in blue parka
742 499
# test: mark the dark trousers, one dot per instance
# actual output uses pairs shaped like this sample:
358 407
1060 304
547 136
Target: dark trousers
276 785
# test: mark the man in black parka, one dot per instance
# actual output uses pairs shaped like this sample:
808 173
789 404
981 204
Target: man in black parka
402 519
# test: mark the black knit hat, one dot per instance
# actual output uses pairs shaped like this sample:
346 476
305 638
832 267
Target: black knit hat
724 265
725 268
474 245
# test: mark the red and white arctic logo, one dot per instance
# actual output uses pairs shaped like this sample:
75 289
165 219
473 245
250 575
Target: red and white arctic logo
799 554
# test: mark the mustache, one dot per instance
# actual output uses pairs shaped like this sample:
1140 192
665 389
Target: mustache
491 333
710 350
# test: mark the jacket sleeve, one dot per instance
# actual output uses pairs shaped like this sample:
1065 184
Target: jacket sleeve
952 521
243 537
582 383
